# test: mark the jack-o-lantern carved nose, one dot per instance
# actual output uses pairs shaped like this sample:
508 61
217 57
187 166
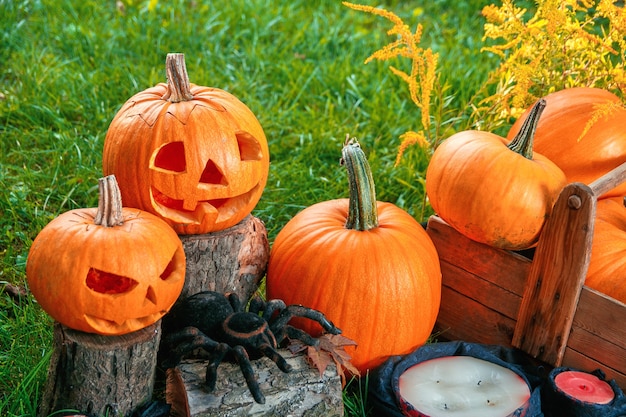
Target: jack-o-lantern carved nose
151 295
213 175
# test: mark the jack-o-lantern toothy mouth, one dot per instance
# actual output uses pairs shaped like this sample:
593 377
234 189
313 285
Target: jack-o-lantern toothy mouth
112 327
222 208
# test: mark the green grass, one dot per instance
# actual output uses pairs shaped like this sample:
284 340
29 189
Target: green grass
67 67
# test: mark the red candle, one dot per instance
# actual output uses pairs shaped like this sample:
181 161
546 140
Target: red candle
462 386
584 387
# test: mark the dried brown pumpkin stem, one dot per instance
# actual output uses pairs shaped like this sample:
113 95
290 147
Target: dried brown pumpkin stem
363 210
522 143
178 86
109 212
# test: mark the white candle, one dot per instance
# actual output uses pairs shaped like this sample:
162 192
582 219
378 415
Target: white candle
463 386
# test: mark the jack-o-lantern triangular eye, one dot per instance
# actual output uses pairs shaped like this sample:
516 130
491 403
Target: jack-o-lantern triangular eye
107 283
171 267
171 157
249 147
213 175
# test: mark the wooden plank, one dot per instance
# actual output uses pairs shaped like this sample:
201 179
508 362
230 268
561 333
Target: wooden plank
603 316
577 360
467 320
504 268
556 276
597 349
481 290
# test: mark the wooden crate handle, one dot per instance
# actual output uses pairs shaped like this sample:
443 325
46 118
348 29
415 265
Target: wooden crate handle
609 181
558 270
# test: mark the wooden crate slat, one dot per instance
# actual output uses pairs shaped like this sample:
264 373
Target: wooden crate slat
504 268
600 350
578 360
602 316
471 321
482 291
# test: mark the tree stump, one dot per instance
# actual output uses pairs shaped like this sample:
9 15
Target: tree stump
229 260
101 375
299 393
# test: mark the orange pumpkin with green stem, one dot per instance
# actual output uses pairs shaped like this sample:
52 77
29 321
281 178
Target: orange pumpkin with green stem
195 156
369 266
583 131
491 191
106 270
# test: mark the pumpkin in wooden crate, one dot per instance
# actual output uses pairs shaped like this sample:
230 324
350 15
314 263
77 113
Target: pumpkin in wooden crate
195 156
106 270
369 266
491 191
583 131
607 265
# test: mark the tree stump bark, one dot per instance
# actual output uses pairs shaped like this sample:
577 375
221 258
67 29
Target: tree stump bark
299 393
101 375
230 260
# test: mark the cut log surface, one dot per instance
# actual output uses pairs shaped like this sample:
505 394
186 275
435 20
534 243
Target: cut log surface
301 392
230 260
101 375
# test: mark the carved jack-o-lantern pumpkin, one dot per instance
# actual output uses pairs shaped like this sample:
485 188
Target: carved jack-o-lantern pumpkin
195 156
109 270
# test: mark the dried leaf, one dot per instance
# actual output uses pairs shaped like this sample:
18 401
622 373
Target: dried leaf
330 348
318 358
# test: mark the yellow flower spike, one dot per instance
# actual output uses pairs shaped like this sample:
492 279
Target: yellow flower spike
600 111
422 77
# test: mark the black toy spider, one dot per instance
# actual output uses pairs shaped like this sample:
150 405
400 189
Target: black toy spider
220 325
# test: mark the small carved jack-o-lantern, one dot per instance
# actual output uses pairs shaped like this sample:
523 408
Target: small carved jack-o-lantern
195 156
109 270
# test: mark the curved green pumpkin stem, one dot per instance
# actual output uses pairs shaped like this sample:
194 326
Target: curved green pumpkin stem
109 212
522 143
178 87
362 210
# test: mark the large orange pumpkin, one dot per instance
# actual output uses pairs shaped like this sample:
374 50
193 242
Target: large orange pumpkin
570 136
106 270
491 192
195 156
607 265
368 266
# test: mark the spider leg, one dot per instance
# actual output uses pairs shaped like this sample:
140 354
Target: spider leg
211 370
280 322
248 374
276 357
234 301
297 334
186 340
271 307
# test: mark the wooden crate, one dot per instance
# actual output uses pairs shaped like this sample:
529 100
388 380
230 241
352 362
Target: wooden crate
539 305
